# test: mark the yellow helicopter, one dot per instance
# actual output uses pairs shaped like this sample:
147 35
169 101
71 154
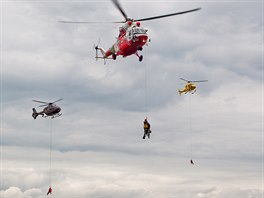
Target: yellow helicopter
190 86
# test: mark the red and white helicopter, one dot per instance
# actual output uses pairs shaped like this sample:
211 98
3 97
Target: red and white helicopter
132 36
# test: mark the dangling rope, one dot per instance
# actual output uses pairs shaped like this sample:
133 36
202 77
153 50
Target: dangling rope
190 130
146 86
147 125
50 157
50 150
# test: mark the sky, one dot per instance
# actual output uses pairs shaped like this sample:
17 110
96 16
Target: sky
97 148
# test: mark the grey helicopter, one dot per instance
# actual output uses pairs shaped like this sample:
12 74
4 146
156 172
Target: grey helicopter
50 110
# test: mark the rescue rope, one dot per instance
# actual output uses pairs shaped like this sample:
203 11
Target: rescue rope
146 86
50 156
146 82
190 127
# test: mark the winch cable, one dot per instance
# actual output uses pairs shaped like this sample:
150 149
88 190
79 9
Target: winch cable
50 154
190 128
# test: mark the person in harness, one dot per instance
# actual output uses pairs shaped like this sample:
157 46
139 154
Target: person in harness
49 191
147 130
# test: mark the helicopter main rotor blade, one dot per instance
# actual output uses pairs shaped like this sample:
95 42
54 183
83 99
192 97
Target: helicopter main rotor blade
200 81
117 4
167 15
88 22
40 101
44 105
56 101
184 79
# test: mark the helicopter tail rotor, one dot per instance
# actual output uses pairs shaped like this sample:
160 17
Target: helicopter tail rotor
96 52
180 91
96 47
103 52
35 113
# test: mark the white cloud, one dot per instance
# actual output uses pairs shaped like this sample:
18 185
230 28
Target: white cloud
16 192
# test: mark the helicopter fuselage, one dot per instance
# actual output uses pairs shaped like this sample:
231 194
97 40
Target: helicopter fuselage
134 40
189 87
131 39
51 110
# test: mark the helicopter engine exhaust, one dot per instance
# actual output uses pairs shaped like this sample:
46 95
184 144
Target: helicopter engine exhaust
35 113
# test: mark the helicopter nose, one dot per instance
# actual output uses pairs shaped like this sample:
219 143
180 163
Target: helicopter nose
142 39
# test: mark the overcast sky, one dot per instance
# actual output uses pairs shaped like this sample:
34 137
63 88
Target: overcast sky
97 147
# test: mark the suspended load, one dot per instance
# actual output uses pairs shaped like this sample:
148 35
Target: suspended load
49 191
146 127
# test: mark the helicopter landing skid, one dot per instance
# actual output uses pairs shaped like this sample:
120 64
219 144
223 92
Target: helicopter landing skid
103 58
57 115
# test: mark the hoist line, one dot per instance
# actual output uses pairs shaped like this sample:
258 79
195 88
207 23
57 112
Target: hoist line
146 84
51 134
190 125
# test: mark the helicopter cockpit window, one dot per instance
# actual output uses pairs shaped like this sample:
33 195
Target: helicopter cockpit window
139 31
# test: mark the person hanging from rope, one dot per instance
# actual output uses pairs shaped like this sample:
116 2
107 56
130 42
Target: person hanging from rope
49 191
147 130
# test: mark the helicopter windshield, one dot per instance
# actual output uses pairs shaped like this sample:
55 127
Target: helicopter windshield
139 30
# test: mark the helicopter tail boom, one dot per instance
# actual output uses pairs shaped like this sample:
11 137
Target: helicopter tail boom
180 91
103 52
35 113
